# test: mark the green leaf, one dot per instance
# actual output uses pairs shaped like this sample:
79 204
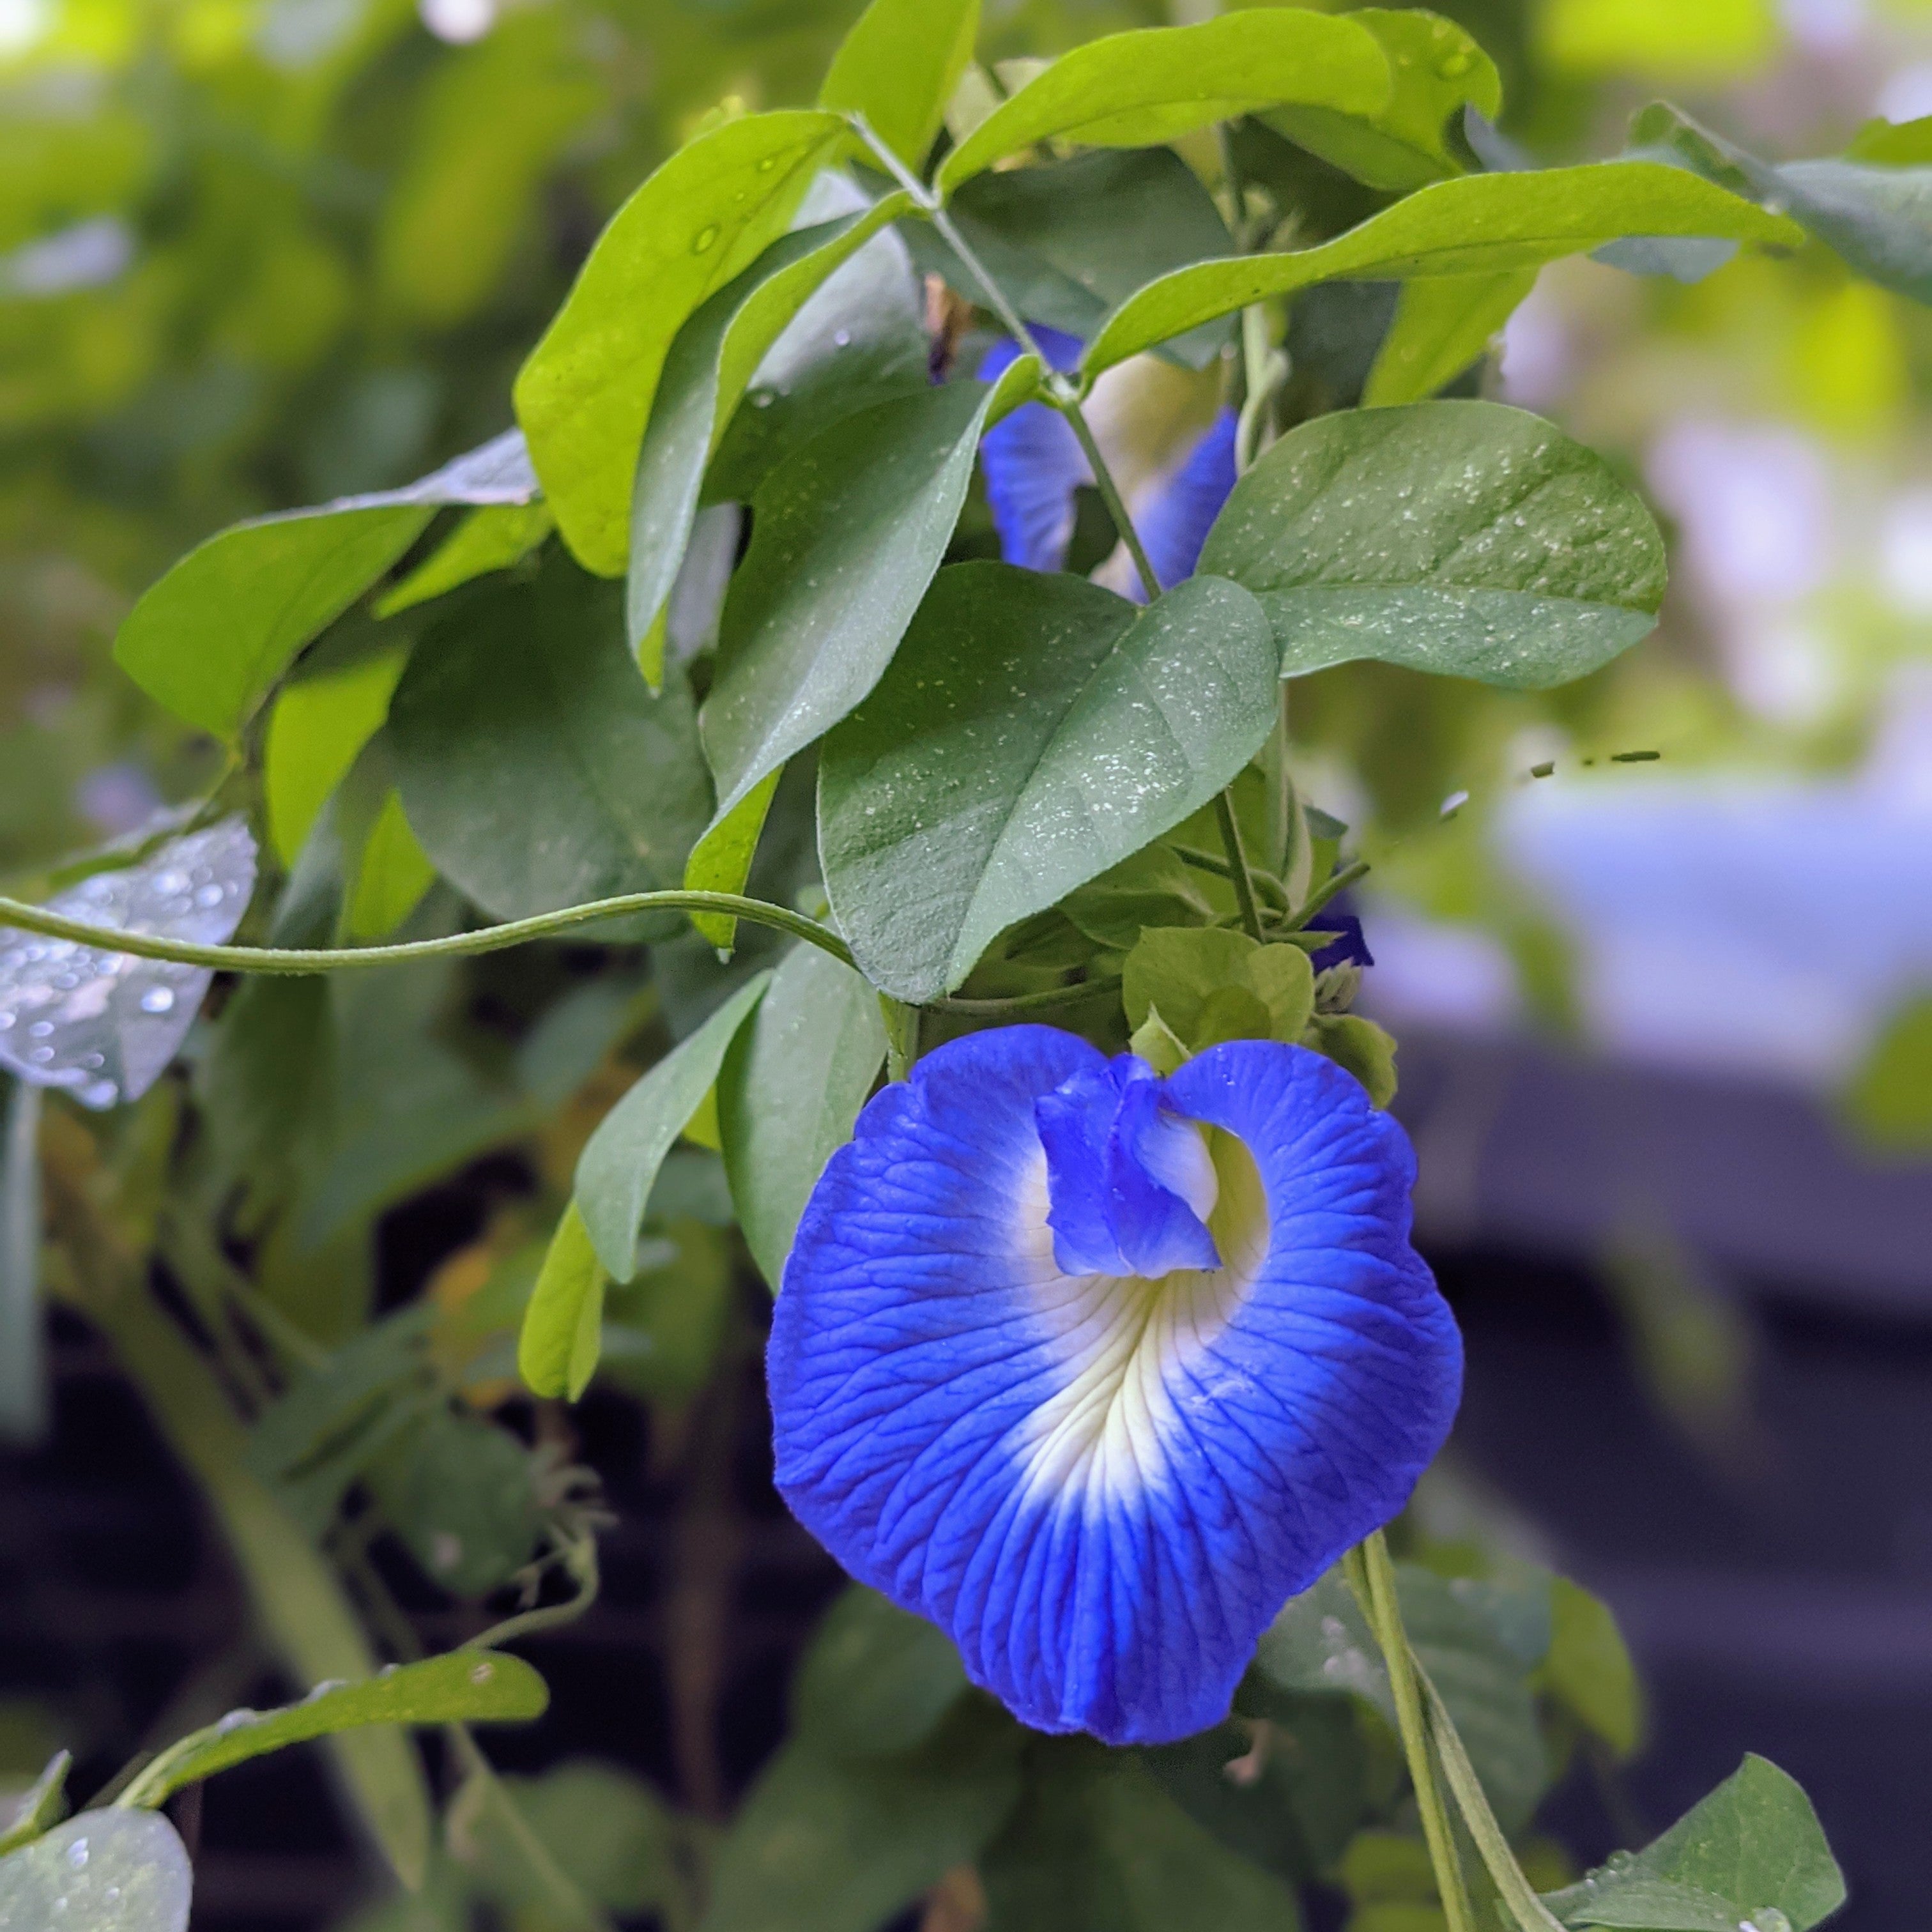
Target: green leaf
721 861
663 1333
619 1163
1588 1668
23 1373
1889 1098
1360 1047
587 391
1139 89
1322 1642
1098 1846
1442 324
38 1808
1476 224
1066 241
491 539
1464 538
607 1831
462 1495
826 1845
981 781
791 1086
563 1332
535 766
705 373
1877 217
1152 888
846 535
210 640
1176 971
1893 144
1439 69
104 1871
463 1686
877 1680
319 725
898 68
1753 1847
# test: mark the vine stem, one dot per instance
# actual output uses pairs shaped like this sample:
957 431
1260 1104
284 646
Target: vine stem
1238 864
26 918
1371 1576
1062 394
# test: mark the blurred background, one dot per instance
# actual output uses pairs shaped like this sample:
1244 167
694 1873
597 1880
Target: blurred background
1658 946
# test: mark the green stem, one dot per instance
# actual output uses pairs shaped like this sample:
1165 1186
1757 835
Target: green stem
1237 865
580 1559
1331 888
1518 1894
1061 395
1030 1003
1373 1576
901 1036
458 945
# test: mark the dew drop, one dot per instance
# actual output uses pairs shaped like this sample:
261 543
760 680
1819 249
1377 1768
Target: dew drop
482 1673
77 1854
704 239
843 339
157 1000
1453 67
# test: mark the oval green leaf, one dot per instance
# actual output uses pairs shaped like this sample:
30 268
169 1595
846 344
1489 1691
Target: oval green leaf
846 535
897 68
620 1162
981 782
1476 224
1138 89
562 1333
1465 538
790 1087
585 393
534 766
462 1687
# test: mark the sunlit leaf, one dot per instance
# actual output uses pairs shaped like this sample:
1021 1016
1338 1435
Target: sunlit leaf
1475 224
212 637
981 781
103 1026
1134 90
318 724
898 68
1438 68
1465 538
585 393
489 538
1442 324
556 1354
705 373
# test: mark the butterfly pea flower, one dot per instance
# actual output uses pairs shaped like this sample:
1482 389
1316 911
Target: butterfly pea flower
1096 1369
1034 465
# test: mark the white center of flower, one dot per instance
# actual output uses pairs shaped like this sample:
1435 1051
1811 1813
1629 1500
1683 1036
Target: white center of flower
1134 1348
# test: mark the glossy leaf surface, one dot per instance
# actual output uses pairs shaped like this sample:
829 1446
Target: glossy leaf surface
1134 90
1464 538
897 68
587 391
982 780
846 536
1476 224
1442 324
104 1871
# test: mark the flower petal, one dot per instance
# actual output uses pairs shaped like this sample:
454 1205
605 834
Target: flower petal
1103 1488
1175 519
1034 463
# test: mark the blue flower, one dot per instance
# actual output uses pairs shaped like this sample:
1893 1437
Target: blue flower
1034 464
1349 947
1096 1369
